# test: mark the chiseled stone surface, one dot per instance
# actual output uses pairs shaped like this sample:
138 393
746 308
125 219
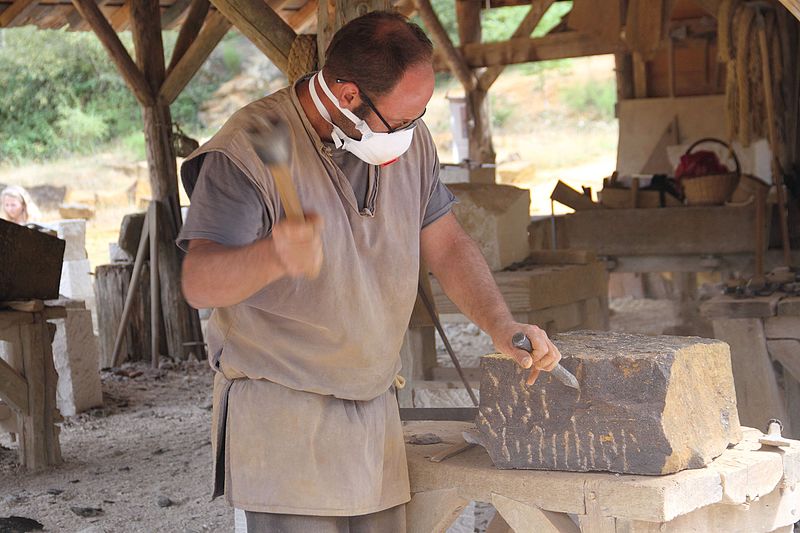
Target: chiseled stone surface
647 405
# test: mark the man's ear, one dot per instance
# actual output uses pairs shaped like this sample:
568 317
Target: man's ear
349 96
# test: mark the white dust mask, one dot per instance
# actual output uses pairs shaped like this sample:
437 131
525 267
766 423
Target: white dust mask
374 148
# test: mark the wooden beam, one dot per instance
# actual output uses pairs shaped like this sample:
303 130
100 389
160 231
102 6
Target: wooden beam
173 13
793 6
16 12
120 19
468 17
189 30
259 23
524 50
15 388
180 74
525 28
301 19
147 41
639 76
119 55
450 53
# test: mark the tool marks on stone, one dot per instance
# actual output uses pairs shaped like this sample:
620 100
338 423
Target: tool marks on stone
647 405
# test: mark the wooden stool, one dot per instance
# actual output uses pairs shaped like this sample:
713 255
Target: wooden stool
750 487
28 383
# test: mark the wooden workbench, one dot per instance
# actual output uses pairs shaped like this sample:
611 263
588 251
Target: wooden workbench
746 489
764 336
28 383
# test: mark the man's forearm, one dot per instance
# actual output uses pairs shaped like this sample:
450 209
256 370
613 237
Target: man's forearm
466 279
218 276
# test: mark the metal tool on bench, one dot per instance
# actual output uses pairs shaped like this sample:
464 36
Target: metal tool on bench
520 340
773 436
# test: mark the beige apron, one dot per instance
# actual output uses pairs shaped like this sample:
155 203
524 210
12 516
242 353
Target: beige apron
305 422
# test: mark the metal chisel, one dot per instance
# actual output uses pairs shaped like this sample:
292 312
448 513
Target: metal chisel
521 341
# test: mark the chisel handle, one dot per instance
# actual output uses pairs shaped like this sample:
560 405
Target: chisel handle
521 341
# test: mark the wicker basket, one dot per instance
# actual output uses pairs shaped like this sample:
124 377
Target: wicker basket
714 189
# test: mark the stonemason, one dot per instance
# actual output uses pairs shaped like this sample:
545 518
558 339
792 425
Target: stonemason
647 405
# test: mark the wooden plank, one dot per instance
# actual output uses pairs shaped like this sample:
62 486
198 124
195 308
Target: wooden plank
665 231
787 353
562 257
17 12
782 327
51 412
776 510
190 28
524 50
180 74
171 15
639 76
789 306
595 521
758 397
541 288
793 6
303 18
119 55
452 57
434 511
525 28
747 476
146 31
259 23
523 517
14 390
727 307
120 19
33 439
564 194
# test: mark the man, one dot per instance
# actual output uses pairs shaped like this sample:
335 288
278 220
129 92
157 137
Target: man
310 316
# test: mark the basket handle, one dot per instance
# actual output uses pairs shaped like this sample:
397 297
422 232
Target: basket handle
718 141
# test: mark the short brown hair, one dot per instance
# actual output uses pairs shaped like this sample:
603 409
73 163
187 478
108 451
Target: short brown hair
375 50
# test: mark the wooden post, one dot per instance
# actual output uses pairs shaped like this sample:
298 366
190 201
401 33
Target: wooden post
155 294
179 318
333 14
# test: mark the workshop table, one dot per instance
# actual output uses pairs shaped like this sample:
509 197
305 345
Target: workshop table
28 382
749 488
764 336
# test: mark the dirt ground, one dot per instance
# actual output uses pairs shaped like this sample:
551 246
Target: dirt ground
143 460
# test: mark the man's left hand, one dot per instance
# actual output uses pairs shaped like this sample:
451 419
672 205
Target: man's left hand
545 355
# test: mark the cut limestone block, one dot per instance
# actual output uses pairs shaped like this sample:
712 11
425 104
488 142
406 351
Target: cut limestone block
74 233
647 405
30 263
76 361
497 218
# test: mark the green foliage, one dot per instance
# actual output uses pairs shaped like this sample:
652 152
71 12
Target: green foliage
501 110
593 99
62 94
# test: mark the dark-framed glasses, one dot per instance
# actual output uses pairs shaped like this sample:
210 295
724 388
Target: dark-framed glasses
374 109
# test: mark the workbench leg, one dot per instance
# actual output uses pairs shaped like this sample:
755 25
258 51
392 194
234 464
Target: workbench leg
38 432
419 348
433 511
758 397
526 518
498 525
594 521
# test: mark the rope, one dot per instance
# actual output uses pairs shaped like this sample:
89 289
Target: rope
302 57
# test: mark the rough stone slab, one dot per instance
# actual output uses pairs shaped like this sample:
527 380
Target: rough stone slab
130 231
647 405
76 360
73 232
30 263
497 218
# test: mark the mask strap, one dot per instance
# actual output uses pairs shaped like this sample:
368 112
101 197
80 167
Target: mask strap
359 123
337 138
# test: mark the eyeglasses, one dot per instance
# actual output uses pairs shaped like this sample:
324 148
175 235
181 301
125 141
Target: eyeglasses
374 109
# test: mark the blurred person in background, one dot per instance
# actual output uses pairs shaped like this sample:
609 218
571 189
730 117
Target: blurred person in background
17 206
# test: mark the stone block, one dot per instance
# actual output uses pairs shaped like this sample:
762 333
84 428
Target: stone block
76 280
497 218
30 263
83 211
76 360
74 233
647 405
130 231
